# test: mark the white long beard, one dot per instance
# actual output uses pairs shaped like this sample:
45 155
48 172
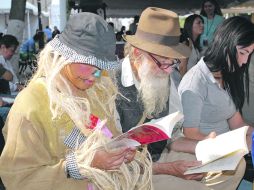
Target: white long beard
153 89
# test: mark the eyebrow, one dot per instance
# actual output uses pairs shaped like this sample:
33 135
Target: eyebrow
246 50
242 48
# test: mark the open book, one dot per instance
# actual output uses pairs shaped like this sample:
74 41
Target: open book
221 153
154 131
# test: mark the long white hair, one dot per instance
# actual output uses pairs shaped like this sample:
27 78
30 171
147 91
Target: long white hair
63 97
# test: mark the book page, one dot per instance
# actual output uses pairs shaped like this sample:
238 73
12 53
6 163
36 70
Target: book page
221 153
212 149
122 143
228 162
151 132
168 122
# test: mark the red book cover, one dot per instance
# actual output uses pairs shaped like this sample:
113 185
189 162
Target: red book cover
158 130
146 134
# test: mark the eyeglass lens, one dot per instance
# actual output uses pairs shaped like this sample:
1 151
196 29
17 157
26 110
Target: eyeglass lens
174 64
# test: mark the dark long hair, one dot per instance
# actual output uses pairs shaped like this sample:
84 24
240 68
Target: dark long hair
187 30
221 55
217 10
9 41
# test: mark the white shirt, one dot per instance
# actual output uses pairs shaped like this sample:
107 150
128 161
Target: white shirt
128 78
7 65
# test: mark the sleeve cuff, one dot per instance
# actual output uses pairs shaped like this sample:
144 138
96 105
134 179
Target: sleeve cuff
71 167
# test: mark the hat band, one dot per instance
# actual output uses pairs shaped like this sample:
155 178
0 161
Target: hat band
157 38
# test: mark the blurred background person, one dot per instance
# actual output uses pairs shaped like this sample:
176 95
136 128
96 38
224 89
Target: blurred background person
112 25
133 26
123 30
193 28
29 47
8 46
55 32
212 15
48 33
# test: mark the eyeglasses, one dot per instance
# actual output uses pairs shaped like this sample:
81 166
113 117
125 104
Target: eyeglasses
175 63
97 73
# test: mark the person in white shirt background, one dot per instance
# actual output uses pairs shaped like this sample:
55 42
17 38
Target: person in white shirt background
8 46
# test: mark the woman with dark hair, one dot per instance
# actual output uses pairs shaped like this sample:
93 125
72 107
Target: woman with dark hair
193 28
8 46
212 15
212 93
215 89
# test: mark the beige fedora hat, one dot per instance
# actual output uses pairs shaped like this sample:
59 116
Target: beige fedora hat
158 32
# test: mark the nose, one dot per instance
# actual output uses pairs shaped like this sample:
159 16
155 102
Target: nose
245 62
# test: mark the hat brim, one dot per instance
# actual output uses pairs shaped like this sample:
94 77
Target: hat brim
72 56
179 51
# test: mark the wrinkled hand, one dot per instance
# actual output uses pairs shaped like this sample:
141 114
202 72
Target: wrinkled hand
112 160
130 154
180 166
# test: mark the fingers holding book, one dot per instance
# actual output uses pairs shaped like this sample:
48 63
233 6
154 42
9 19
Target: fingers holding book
180 166
113 159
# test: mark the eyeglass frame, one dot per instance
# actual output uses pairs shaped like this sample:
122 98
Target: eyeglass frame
175 64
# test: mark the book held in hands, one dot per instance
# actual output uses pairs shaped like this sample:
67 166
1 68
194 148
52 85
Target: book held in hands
154 131
223 152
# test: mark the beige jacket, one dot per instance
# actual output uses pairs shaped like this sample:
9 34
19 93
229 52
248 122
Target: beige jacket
34 154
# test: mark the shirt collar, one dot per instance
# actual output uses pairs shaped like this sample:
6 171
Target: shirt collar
127 77
207 73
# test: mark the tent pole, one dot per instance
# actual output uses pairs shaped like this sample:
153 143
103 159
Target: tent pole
28 25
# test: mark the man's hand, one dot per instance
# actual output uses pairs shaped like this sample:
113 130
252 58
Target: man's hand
130 154
177 168
180 166
112 160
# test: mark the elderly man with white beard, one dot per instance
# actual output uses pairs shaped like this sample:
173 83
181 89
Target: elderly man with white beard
145 71
147 92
